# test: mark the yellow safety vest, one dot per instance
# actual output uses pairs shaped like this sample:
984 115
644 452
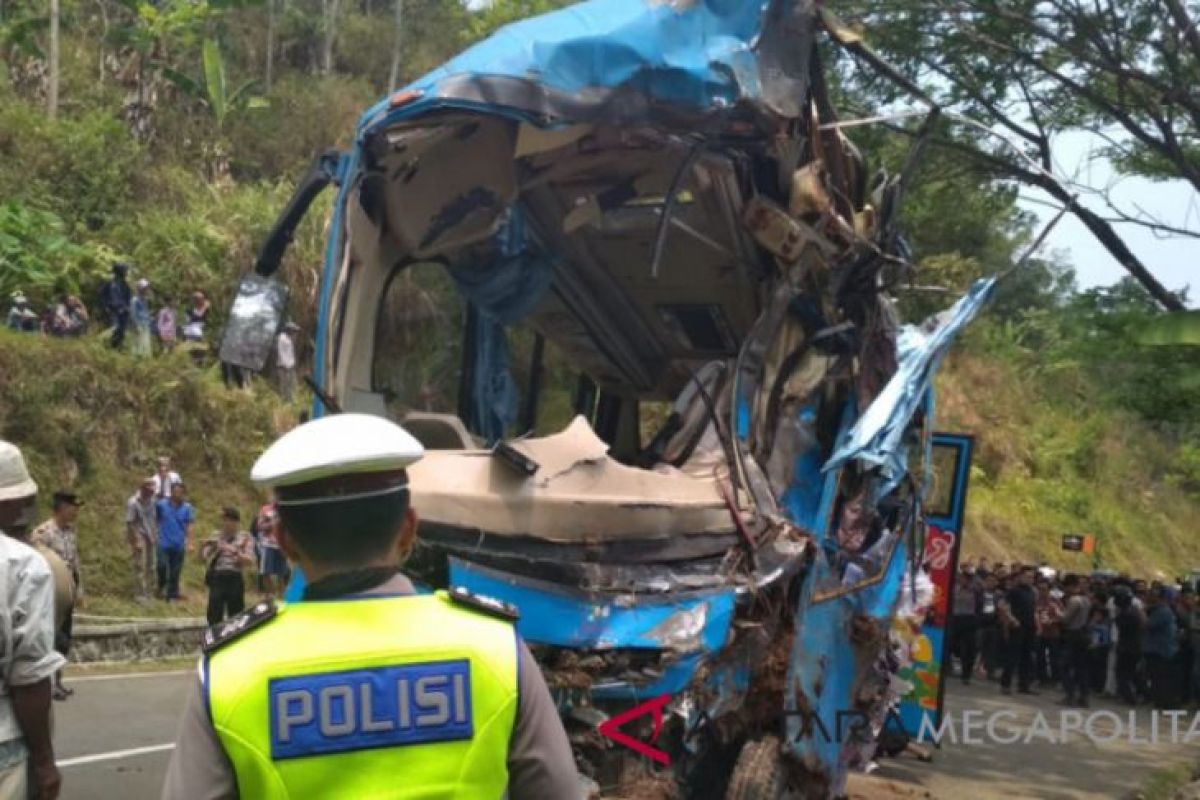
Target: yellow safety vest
405 698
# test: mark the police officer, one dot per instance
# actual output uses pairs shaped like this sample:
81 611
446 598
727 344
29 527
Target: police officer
364 688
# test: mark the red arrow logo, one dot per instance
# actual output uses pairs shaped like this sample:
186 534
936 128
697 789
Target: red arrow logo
612 728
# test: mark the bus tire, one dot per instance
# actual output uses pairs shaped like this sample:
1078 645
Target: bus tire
759 773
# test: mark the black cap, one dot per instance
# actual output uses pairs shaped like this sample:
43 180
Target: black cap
66 499
120 267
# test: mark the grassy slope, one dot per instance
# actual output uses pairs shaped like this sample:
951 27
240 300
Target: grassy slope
1050 460
94 421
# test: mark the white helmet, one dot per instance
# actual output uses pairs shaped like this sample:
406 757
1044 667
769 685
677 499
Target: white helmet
15 482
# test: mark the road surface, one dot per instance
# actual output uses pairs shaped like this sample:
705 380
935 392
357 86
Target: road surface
1037 768
113 740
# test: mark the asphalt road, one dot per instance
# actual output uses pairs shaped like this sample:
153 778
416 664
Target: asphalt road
1038 764
113 740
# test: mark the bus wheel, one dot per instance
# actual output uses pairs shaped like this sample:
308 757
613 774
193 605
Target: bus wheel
759 773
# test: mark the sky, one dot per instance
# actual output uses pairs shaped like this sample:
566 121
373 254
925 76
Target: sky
1174 261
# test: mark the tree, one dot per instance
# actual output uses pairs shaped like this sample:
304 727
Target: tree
329 23
270 70
397 45
1032 69
213 92
54 74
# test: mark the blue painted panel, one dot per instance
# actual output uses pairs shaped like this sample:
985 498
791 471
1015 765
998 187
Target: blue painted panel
928 677
701 55
551 615
824 665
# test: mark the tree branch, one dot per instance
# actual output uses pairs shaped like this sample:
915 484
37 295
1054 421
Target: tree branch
1100 228
1186 25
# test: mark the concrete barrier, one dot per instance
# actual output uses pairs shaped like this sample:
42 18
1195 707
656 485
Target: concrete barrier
148 639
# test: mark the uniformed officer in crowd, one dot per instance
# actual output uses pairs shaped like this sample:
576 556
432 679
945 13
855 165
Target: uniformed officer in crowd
364 688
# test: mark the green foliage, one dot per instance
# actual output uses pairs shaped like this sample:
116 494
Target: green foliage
83 168
213 89
20 33
1059 457
307 116
36 255
152 27
1182 327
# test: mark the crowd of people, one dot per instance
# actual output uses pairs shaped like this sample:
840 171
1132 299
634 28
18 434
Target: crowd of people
132 311
151 322
160 528
1090 635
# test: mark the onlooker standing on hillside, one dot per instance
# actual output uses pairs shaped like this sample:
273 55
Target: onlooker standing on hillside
58 534
285 362
21 317
142 319
141 530
165 324
274 567
193 328
164 478
227 552
27 623
117 298
175 518
197 317
70 317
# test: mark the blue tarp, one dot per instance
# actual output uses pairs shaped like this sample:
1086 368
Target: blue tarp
503 291
876 438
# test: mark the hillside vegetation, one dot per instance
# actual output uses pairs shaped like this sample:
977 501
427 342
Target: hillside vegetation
1049 464
94 421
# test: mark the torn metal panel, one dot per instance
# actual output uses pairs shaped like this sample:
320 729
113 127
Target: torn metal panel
579 494
876 438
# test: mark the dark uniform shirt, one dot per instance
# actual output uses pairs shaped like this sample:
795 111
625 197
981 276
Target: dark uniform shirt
1022 601
540 763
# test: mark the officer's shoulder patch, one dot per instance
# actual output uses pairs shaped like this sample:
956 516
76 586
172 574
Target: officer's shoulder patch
488 605
222 633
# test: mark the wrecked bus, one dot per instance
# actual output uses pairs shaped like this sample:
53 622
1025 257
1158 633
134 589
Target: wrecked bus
646 219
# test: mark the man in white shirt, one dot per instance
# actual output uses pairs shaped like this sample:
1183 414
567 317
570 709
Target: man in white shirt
141 531
28 660
165 479
285 361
